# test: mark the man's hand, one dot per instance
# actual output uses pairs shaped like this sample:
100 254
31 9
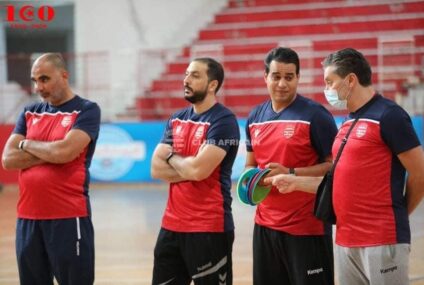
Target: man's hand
160 169
285 183
276 169
15 158
289 183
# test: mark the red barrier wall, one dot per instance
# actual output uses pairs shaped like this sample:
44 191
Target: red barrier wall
6 177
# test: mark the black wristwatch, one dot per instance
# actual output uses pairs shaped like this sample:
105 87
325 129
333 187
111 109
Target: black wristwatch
291 171
171 154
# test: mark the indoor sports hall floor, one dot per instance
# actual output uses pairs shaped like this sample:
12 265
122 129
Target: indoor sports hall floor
127 219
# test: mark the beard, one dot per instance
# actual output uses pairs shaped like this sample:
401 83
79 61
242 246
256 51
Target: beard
197 96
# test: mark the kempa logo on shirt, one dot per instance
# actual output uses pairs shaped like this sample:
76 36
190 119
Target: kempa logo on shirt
288 132
66 121
199 132
361 130
315 271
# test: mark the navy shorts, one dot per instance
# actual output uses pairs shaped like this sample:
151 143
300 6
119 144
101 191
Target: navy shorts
205 258
62 248
281 258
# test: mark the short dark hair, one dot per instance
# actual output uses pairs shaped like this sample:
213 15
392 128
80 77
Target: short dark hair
281 54
215 70
347 61
54 58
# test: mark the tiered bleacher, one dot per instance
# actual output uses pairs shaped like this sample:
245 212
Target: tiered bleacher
389 33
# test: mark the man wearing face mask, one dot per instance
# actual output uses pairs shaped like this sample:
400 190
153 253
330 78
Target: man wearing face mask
332 96
370 200
196 156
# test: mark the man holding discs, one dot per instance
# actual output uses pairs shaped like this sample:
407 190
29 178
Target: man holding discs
289 134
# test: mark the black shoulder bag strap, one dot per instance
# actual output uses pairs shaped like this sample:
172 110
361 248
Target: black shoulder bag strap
344 141
323 207
342 145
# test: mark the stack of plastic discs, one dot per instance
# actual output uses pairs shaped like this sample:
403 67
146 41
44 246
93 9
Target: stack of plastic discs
248 190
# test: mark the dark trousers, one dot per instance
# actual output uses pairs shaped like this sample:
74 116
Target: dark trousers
62 248
283 259
205 258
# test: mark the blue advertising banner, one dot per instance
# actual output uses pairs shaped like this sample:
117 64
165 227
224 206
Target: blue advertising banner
124 150
419 127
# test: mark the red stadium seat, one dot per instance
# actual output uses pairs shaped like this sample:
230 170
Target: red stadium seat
247 29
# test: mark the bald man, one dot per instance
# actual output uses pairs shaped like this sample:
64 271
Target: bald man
52 146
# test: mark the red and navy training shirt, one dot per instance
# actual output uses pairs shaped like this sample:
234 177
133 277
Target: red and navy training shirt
202 206
57 191
301 135
369 179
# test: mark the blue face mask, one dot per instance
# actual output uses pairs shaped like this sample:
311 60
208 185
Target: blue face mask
334 100
332 97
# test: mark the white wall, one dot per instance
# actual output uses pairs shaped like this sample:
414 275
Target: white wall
115 24
3 70
135 33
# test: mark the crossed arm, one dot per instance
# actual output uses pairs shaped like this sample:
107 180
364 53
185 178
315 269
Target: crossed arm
38 152
180 168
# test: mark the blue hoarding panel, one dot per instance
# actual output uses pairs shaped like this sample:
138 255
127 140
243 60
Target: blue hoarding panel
124 150
419 127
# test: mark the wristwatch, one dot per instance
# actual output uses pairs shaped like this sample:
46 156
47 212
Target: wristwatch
21 145
170 155
291 171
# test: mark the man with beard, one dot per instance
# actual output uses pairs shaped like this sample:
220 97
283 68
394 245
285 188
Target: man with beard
196 156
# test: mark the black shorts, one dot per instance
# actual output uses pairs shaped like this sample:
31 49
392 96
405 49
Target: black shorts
63 248
281 258
205 258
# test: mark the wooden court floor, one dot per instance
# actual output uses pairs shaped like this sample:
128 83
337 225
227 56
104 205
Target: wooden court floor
127 219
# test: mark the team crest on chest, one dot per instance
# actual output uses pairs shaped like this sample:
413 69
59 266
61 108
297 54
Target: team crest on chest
361 130
35 120
199 132
178 130
288 131
66 121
